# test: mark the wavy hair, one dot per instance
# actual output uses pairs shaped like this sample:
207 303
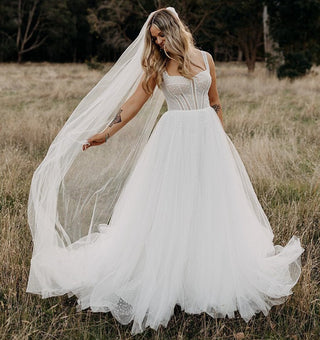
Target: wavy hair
178 44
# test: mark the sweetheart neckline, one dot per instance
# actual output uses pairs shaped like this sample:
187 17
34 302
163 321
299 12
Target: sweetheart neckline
176 75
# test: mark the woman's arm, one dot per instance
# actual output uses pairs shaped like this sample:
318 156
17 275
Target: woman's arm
127 111
213 92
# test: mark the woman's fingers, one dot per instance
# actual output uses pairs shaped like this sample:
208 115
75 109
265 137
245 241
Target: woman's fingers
85 146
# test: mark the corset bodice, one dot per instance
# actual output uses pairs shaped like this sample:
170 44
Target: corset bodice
182 93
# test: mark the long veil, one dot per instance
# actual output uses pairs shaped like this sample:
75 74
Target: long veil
73 192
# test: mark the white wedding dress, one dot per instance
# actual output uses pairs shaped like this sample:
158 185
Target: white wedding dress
186 229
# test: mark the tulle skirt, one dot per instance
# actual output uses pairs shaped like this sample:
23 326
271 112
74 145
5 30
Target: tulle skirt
187 229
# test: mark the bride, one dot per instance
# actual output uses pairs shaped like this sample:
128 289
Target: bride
162 213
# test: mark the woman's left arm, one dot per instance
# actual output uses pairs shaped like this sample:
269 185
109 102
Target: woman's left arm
213 92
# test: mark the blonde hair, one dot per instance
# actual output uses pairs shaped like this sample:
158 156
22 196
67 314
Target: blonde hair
178 43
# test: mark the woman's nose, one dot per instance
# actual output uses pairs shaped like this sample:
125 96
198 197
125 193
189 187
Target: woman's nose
159 40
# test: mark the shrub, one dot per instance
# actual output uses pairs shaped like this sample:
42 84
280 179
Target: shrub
296 65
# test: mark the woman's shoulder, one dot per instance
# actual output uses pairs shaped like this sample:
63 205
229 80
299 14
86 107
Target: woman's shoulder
206 53
209 56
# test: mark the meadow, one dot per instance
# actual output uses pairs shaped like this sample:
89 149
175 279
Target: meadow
275 126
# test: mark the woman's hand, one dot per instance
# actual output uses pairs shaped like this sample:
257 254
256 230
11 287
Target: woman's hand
95 140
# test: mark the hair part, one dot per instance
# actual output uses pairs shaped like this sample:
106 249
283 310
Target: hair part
178 44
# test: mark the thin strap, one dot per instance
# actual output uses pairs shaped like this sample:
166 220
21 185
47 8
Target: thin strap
205 58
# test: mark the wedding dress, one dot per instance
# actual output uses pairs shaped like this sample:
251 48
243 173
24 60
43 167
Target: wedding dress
187 229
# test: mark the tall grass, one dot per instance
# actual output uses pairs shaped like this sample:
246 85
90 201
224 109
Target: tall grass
274 125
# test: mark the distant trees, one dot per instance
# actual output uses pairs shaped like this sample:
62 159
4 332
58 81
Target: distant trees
116 23
7 28
77 30
68 30
45 30
295 26
273 55
29 26
240 24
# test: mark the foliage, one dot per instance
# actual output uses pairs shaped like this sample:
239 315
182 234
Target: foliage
273 61
7 27
296 65
295 25
61 30
78 30
240 24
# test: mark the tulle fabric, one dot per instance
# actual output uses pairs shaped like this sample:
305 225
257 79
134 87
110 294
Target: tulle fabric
187 229
70 187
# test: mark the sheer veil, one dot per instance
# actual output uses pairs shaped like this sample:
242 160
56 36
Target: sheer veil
73 193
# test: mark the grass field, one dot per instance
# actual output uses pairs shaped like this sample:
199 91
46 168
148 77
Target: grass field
274 125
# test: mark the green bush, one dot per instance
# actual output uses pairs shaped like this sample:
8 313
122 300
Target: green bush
296 65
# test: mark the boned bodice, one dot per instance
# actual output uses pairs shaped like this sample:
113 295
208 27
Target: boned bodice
182 93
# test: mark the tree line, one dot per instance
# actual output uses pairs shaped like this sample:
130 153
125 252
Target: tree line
284 33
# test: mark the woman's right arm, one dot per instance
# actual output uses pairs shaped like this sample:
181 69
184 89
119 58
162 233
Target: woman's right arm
127 111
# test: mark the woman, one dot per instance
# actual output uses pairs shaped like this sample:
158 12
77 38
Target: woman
179 56
182 225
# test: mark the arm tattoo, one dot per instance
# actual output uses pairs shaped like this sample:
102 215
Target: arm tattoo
117 118
216 107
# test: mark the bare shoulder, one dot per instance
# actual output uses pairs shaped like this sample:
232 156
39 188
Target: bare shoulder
196 53
200 56
210 59
211 64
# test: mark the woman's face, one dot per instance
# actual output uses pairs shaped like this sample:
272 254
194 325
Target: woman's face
157 36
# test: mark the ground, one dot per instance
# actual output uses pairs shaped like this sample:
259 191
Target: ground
275 126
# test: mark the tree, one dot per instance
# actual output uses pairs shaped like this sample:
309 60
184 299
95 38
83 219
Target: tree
61 30
117 23
240 24
21 27
29 27
7 30
272 53
45 30
295 26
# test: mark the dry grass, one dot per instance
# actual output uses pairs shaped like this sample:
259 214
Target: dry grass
275 127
